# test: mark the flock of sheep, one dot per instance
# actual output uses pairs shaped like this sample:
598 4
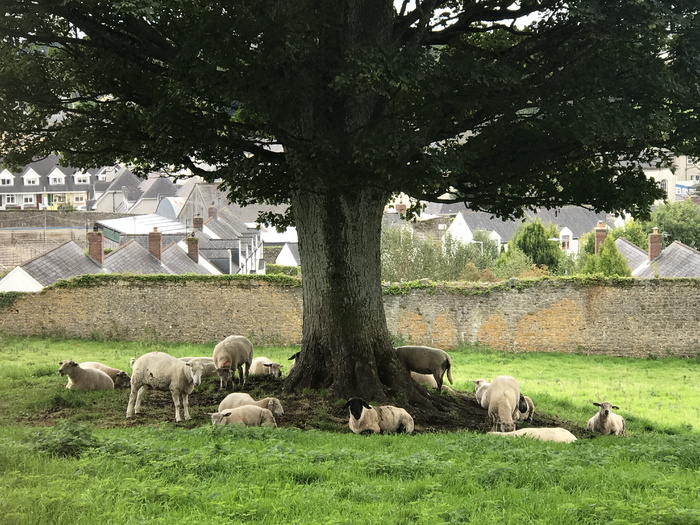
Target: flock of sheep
501 397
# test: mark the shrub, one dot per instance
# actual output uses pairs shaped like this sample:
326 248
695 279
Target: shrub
66 439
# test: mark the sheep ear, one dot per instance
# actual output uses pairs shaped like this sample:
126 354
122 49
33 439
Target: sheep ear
188 364
226 414
346 405
616 407
366 405
267 364
596 404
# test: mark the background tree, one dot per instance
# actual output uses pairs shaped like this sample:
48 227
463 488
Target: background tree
609 261
678 221
634 231
532 238
332 106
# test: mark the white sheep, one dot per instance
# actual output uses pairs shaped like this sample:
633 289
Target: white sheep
606 421
161 371
80 378
121 379
231 354
429 381
426 360
529 406
364 418
208 366
502 399
560 435
480 388
248 415
293 359
239 399
262 366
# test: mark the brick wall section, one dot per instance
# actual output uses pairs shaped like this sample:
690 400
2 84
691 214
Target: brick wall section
634 319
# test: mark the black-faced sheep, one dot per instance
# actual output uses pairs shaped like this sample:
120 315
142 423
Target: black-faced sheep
560 435
262 366
606 421
121 379
87 378
502 399
426 360
162 371
238 399
365 418
248 415
526 409
231 354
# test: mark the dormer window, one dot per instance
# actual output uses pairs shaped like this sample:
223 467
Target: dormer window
31 181
81 178
56 180
5 181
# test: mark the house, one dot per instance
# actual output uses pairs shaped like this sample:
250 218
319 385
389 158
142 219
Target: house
127 193
289 255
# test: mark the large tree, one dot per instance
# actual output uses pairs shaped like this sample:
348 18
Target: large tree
331 106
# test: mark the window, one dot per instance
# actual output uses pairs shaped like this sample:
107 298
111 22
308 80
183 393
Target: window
29 199
79 198
695 177
5 182
664 185
56 180
10 199
32 182
60 197
81 179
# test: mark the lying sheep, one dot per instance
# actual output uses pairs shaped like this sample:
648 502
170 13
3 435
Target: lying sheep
239 399
426 360
248 415
208 366
606 422
231 354
161 371
502 399
262 366
526 409
429 381
293 359
121 379
560 435
480 388
365 418
87 378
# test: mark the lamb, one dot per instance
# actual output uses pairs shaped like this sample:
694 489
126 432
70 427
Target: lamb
208 366
365 418
560 435
502 399
241 399
231 354
480 388
293 359
80 378
527 404
121 379
429 381
248 415
426 360
161 371
606 422
262 366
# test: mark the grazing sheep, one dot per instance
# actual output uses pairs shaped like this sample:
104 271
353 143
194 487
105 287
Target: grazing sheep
480 388
248 415
121 379
426 360
364 418
293 359
529 409
231 354
208 366
161 371
239 399
262 366
80 378
560 435
502 399
606 421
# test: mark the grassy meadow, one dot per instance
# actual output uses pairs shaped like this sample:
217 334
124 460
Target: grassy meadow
88 466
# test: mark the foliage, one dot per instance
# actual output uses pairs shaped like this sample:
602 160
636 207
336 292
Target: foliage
677 221
101 279
609 261
7 299
292 271
66 439
635 232
512 263
532 238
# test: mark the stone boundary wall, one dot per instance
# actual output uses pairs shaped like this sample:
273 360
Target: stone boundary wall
630 318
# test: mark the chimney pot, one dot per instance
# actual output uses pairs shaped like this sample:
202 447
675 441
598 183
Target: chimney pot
655 242
155 243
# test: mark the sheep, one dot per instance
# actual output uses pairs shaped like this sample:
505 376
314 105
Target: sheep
208 366
121 379
161 371
606 422
293 359
429 381
365 418
426 360
230 355
248 415
529 409
262 366
502 399
560 435
80 378
241 399
480 388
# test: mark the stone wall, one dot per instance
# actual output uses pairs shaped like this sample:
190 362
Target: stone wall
632 317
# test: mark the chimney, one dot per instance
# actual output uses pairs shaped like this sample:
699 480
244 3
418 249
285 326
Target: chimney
193 248
211 212
197 223
655 243
155 243
96 243
600 233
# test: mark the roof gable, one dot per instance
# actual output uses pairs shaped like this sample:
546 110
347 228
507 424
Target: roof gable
676 260
65 261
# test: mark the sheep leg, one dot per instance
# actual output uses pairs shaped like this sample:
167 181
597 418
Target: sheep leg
176 401
186 406
438 380
139 398
130 406
241 377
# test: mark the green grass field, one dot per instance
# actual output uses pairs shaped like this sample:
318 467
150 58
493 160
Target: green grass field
80 470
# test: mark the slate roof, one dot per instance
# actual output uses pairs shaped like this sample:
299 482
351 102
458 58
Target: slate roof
64 261
579 220
156 187
133 258
44 167
676 260
634 255
179 262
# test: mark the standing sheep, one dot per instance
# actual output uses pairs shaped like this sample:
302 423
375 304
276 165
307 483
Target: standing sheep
161 371
364 417
480 388
262 366
248 415
239 399
426 360
557 434
502 399
606 421
80 378
231 354
121 379
208 366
